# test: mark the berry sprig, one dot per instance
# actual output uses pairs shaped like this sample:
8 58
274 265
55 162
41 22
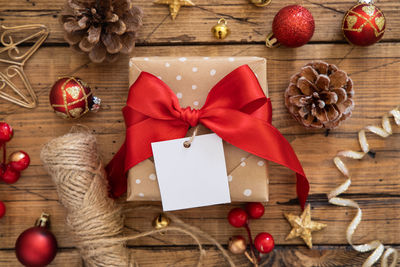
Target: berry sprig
263 243
18 161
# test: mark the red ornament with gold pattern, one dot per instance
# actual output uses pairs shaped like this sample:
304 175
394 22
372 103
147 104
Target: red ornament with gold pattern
364 24
71 98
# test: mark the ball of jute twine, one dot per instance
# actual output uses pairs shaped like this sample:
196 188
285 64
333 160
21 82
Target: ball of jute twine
95 220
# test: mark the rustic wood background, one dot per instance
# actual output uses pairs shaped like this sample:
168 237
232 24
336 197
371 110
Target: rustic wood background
375 71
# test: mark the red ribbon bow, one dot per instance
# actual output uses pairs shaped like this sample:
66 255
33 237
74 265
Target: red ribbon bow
236 110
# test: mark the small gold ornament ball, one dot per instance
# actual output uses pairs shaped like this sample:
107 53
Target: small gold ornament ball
221 30
260 3
161 221
237 244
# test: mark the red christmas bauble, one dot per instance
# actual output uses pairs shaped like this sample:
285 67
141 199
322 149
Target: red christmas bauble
293 26
264 242
2 209
255 209
19 160
237 217
36 246
71 98
364 24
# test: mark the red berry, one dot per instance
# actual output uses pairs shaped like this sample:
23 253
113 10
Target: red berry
255 210
2 209
6 132
2 170
237 217
264 242
10 175
19 160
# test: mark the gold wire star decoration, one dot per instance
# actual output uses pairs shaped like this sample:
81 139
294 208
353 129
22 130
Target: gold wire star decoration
174 5
303 226
13 55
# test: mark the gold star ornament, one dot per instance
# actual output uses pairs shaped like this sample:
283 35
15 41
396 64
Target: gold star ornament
302 226
17 45
174 5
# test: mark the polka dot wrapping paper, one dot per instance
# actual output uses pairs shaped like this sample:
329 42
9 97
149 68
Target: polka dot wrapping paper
191 78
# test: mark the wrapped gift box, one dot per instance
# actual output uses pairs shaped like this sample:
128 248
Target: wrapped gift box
191 79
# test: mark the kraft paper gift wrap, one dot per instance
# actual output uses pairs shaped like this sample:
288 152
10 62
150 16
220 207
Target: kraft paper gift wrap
191 78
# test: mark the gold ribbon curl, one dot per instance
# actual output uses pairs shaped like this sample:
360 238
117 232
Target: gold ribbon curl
377 247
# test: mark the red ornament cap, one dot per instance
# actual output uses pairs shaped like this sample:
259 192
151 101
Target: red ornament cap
293 26
71 98
364 24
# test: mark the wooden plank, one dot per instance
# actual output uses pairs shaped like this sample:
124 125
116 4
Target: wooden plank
378 222
375 73
187 256
280 257
64 258
193 24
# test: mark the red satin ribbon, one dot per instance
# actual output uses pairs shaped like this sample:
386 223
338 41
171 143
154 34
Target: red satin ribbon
236 110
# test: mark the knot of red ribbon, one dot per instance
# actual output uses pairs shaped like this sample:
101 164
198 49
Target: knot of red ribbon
236 109
190 116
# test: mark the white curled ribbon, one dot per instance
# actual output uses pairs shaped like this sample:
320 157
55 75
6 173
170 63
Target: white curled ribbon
377 247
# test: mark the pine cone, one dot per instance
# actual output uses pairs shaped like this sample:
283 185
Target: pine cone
320 96
101 28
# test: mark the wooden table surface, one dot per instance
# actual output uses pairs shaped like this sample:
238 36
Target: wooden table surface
375 71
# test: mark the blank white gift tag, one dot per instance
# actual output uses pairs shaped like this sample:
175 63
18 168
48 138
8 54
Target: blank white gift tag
191 177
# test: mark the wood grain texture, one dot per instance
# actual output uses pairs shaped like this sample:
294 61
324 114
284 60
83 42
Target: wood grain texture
375 71
193 25
187 257
64 258
375 184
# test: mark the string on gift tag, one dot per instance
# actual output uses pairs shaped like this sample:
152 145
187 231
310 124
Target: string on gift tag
376 245
189 142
